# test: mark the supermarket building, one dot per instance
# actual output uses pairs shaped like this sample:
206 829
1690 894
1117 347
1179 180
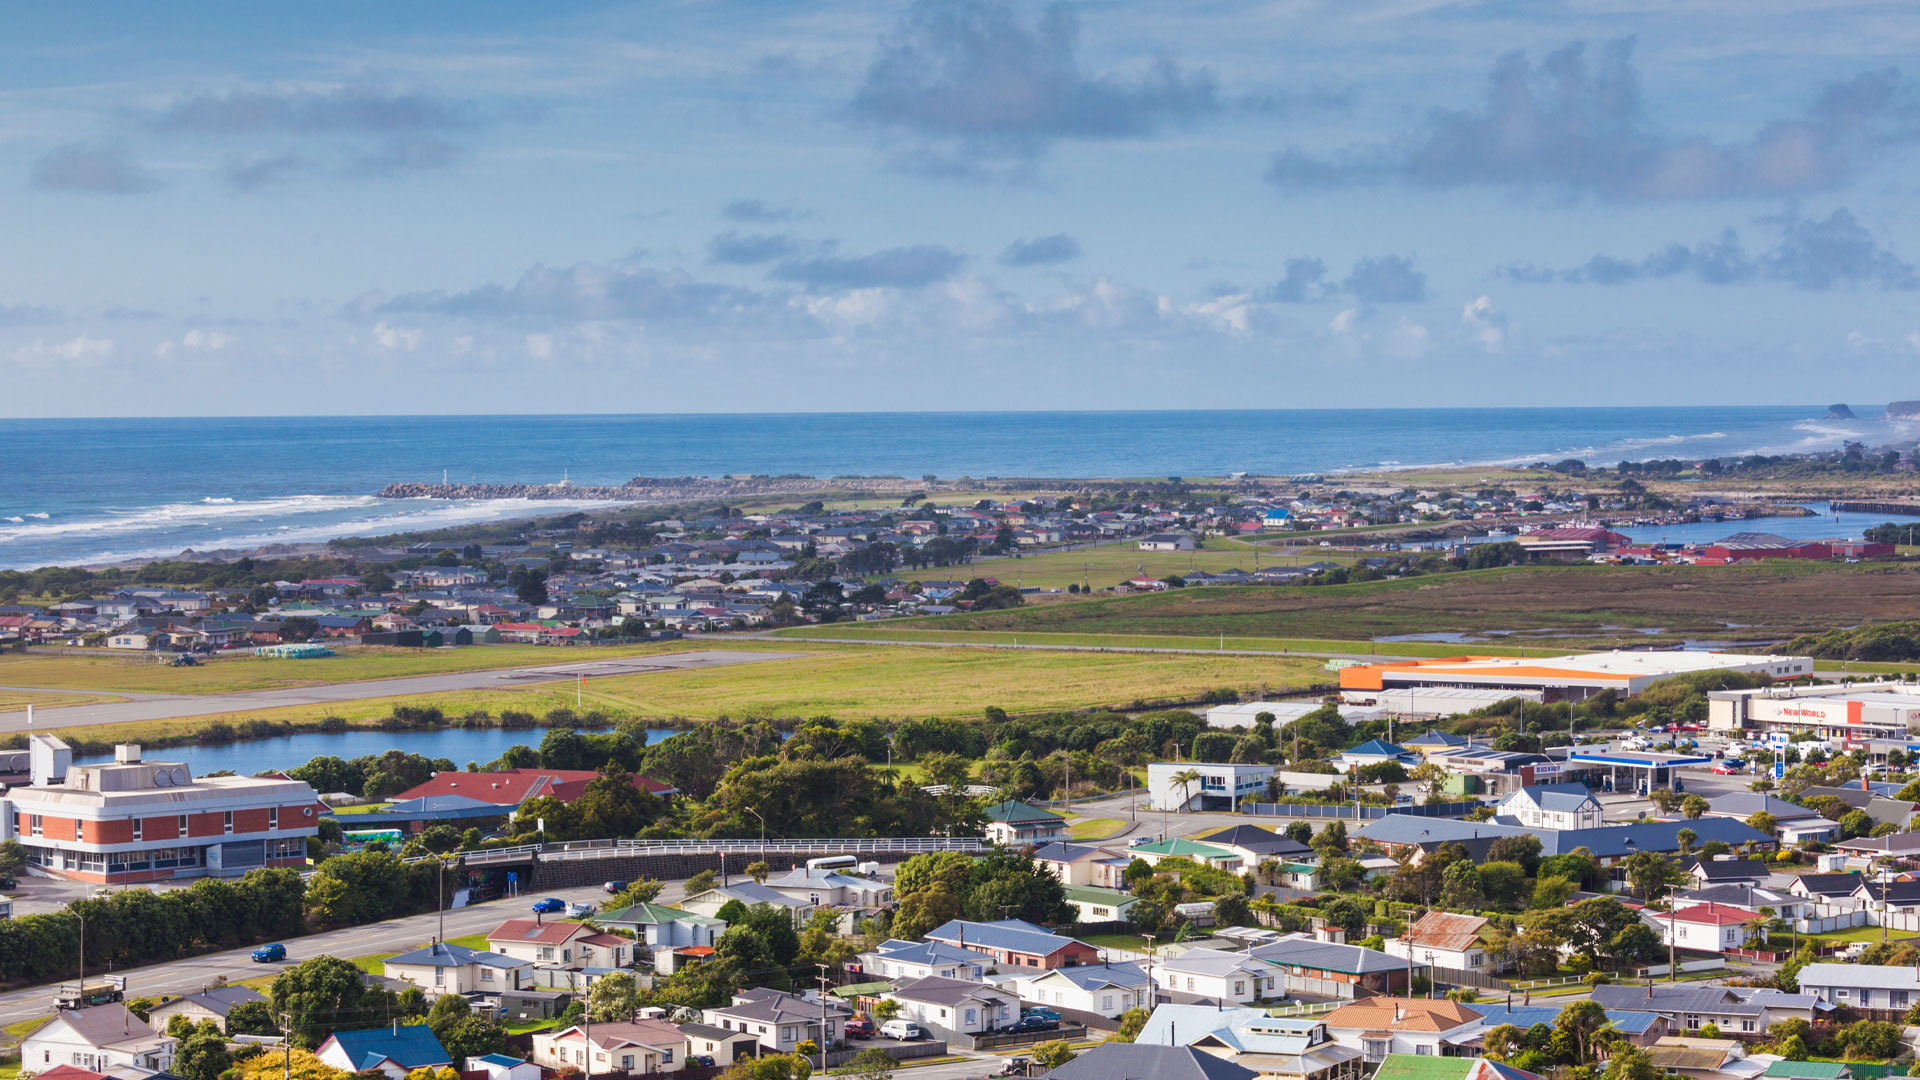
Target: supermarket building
132 820
1852 714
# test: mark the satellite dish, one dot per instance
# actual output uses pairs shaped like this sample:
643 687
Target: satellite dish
161 778
179 775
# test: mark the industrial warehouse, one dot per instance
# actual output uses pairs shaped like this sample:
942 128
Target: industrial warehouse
1561 678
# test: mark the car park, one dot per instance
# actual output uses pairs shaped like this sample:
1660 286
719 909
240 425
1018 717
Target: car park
549 906
267 954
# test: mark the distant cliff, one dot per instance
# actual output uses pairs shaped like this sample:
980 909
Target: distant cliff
662 489
1840 412
1903 410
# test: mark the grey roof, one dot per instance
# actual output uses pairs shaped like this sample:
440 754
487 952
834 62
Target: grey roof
1830 884
1607 841
1139 1061
1326 956
708 1031
1011 935
1257 840
1722 1000
109 1025
1744 804
944 991
218 999
1745 896
1874 976
1215 962
1724 870
752 892
927 952
1436 738
1094 976
1060 851
445 955
775 1006
1566 797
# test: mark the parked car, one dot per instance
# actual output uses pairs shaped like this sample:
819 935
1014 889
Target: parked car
549 906
904 1030
267 954
858 1028
580 909
700 1061
1726 768
1017 1066
1027 1024
7 882
614 888
1042 1012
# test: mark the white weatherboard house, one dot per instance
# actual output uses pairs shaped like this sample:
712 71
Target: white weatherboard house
1222 976
955 1005
1107 989
780 1021
99 1038
442 968
1869 989
1553 806
898 960
1199 785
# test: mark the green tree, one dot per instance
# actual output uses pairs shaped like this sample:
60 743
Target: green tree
203 1055
1184 780
1693 806
1299 832
1131 1023
613 999
924 909
759 871
1581 1020
319 996
701 882
474 1036
1551 891
1053 1054
1764 822
1648 872
1630 1062
13 858
872 1064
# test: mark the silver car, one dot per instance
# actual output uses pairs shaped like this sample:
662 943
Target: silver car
580 910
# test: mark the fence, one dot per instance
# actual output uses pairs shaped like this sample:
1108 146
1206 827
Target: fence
578 850
1069 1032
1868 914
1351 812
903 1051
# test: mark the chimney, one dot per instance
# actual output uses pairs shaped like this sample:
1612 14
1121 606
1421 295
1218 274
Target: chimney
1398 1012
126 753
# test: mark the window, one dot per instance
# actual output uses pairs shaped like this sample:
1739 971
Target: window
183 824
1106 1002
626 1061
1424 1050
1239 987
273 817
439 976
1746 1025
1189 982
36 825
1899 997
486 974
139 829
666 1057
545 952
1374 1049
228 819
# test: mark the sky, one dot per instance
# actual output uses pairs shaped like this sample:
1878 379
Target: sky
244 209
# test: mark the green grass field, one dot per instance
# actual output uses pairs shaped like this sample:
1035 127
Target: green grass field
926 632
1599 605
1095 828
140 673
1109 565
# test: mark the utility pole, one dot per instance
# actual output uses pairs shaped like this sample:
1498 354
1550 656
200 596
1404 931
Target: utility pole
825 1038
1673 959
286 1040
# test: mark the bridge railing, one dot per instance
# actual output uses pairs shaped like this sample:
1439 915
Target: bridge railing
577 850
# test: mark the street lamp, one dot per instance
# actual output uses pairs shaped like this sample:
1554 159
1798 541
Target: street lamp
763 832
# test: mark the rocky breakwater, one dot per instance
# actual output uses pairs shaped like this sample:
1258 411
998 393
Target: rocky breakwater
662 489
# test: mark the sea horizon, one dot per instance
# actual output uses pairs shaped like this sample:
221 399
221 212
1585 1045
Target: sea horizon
91 491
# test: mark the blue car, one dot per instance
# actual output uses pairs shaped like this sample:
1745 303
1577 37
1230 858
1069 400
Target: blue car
269 953
551 905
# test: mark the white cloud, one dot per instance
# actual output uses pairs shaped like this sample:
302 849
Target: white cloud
397 337
206 339
1344 323
540 346
1408 340
1485 324
82 350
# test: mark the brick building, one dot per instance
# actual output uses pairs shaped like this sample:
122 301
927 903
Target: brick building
131 820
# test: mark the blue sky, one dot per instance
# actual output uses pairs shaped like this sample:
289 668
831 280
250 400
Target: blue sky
721 207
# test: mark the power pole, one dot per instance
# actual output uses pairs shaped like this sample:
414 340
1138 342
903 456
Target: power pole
825 1039
286 1040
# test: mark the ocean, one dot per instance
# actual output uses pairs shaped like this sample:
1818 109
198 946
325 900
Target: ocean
90 491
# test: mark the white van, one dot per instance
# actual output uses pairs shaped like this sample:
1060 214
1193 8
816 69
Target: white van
904 1030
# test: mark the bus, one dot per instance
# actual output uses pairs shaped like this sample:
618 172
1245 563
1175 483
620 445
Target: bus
833 862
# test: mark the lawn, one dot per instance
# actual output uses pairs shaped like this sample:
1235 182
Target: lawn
224 674
1095 828
1128 942
361 808
1110 564
1868 934
470 941
372 963
20 699
20 1029
1597 604
927 632
841 680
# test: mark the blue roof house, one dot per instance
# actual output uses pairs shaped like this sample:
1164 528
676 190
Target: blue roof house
395 1050
1373 752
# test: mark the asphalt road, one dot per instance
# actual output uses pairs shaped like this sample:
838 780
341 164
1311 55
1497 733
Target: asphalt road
173 706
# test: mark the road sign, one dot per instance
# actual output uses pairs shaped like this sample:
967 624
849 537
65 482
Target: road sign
1779 770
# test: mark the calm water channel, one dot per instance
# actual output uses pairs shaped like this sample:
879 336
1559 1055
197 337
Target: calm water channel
460 745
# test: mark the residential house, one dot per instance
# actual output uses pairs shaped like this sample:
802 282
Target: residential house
1876 992
1443 940
1553 806
1219 976
630 1046
751 894
1084 864
1219 858
211 1003
780 1021
1881 809
1797 824
443 968
955 1005
722 1045
1784 904
570 945
1166 542
1327 967
502 1067
1639 1028
1385 1025
897 960
1093 904
134 640
1273 1047
825 888
1256 845
1705 927
1110 1060
99 1038
665 931
1014 943
1875 897
396 1050
1014 823
1402 834
508 788
1375 752
1198 785
1704 1059
1825 888
1433 742
1742 1012
1106 989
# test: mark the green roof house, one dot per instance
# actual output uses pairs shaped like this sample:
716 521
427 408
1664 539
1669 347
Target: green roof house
1014 822
1206 854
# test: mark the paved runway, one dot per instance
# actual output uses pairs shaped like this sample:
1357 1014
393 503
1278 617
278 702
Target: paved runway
173 706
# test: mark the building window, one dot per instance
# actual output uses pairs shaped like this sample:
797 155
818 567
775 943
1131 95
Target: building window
486 974
1424 1050
626 1061
139 829
1375 1049
1746 1025
273 817
229 820
183 824
1239 987
666 1057
36 825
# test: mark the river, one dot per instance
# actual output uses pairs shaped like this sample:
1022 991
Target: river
459 745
